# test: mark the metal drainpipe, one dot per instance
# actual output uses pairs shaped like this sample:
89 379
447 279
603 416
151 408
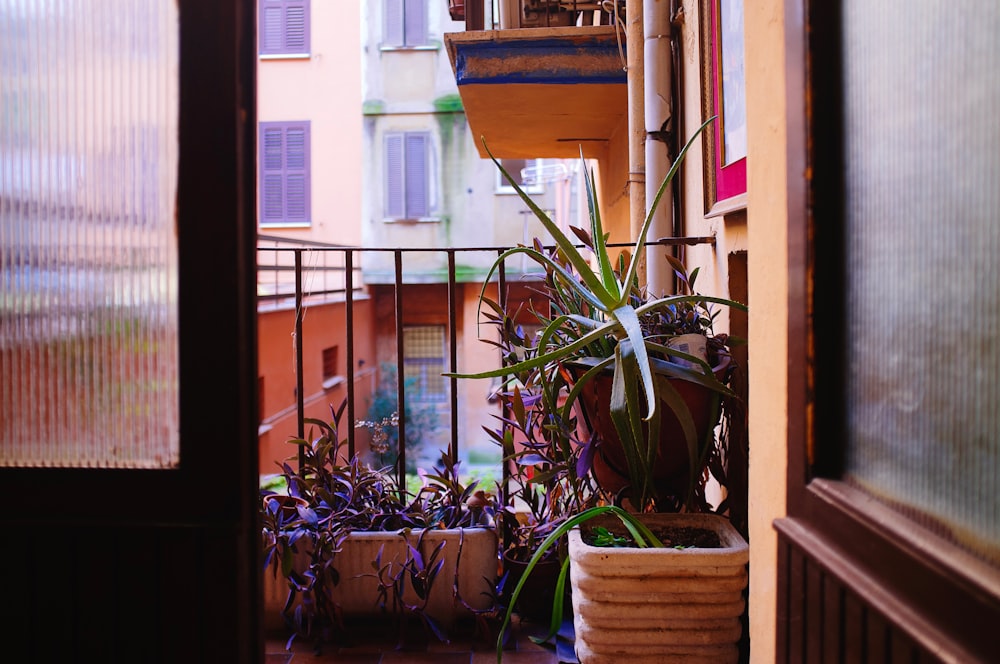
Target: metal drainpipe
636 128
658 114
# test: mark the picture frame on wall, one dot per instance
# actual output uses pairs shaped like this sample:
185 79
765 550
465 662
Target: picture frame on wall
723 95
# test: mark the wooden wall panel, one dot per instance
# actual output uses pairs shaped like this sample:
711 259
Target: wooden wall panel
94 594
822 621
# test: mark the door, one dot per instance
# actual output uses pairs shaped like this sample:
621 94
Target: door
891 548
137 542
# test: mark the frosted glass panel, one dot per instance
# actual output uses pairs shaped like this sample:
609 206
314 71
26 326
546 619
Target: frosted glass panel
923 276
88 256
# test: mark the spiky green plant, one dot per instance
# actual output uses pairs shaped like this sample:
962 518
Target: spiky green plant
597 322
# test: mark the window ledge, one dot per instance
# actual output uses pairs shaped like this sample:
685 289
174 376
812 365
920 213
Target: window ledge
426 47
727 206
510 191
287 224
333 382
419 220
285 56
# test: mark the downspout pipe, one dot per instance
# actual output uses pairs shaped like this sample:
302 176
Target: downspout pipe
658 114
634 61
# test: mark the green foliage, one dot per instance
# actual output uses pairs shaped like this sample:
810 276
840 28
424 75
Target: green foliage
328 498
421 419
641 535
598 318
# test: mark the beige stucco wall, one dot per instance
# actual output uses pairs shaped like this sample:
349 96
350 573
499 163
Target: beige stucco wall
315 89
762 233
768 240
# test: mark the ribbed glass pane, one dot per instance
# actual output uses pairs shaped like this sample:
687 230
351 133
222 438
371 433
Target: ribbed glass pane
923 280
88 256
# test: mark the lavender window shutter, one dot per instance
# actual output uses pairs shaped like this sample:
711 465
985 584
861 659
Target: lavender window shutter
297 173
416 23
416 176
272 190
284 172
297 27
272 20
393 35
394 202
284 27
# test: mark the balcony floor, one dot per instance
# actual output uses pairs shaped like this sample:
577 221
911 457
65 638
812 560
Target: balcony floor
461 650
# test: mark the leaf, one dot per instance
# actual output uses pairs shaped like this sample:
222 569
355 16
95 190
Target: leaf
640 242
642 535
566 246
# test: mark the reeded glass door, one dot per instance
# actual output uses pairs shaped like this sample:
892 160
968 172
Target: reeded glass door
89 108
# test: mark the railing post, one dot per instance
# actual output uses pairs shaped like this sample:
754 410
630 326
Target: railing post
349 320
299 397
453 352
400 375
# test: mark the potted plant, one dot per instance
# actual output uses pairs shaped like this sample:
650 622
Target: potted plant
544 487
348 541
616 344
649 587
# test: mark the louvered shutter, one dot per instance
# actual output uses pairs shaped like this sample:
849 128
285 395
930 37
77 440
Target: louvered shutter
272 190
284 27
394 184
416 176
297 27
272 21
393 35
284 166
297 173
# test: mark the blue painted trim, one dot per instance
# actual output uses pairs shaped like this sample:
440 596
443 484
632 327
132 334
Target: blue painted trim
561 49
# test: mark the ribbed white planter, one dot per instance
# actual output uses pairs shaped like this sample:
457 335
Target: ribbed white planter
477 572
659 605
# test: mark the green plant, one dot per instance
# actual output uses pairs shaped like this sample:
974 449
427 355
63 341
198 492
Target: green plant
383 419
328 498
600 318
641 536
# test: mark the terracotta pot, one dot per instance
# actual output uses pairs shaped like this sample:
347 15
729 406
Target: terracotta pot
456 8
671 472
659 605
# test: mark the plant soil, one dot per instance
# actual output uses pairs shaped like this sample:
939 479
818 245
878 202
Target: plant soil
678 537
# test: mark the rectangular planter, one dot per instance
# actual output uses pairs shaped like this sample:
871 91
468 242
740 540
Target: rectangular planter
357 595
659 604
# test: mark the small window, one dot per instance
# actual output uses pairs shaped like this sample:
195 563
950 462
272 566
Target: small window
283 27
423 361
527 173
407 185
405 23
329 362
260 399
285 196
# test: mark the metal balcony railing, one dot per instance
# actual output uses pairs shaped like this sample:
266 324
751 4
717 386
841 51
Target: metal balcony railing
302 274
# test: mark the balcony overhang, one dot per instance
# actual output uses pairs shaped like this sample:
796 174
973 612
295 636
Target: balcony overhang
541 92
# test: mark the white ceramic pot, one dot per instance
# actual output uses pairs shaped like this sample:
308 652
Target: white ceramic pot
659 605
357 594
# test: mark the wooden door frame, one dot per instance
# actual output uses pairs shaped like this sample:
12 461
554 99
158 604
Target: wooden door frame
875 566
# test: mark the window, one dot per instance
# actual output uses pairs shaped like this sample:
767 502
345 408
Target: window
407 184
331 366
284 174
90 333
329 362
423 361
405 23
284 27
527 173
